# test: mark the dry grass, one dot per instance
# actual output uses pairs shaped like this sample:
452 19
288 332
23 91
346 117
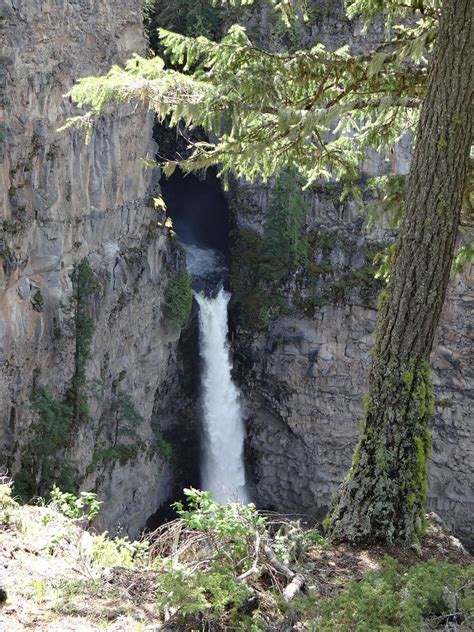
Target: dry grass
54 583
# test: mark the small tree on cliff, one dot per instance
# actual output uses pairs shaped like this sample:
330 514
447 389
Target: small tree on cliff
318 111
84 285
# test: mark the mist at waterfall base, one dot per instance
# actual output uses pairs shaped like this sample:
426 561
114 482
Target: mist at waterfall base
199 213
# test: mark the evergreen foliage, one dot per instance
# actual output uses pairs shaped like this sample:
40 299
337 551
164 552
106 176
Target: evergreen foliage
124 422
126 417
316 111
391 599
85 284
283 232
148 9
261 265
121 453
212 596
189 17
44 461
178 301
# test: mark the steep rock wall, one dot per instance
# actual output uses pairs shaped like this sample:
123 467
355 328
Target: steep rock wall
304 369
303 366
61 201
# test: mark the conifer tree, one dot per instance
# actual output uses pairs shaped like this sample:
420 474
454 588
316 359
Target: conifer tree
318 111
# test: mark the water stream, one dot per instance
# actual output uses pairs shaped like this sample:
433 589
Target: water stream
222 467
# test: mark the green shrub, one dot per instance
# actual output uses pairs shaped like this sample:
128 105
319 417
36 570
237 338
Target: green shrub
392 599
85 506
120 552
178 301
121 453
207 595
8 504
165 449
231 527
43 460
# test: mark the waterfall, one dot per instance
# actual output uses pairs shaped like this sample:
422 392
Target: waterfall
222 470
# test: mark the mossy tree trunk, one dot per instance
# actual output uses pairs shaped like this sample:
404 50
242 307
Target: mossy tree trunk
382 498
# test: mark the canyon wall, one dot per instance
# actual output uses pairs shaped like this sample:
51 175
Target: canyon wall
302 360
63 201
302 342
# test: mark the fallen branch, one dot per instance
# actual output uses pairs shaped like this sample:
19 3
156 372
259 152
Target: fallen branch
293 587
297 580
280 566
254 569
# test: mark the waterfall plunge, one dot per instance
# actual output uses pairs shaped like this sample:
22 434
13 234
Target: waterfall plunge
222 470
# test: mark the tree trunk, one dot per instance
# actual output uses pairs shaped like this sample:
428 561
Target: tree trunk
382 498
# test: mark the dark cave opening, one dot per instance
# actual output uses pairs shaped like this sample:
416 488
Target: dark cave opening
198 209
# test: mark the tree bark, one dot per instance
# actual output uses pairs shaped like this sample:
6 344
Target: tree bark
383 497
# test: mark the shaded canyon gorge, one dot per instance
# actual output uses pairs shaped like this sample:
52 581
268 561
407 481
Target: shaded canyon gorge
126 406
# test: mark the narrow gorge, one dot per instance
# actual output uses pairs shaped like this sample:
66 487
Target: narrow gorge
205 345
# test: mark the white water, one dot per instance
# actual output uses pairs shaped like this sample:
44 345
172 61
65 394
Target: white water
222 470
202 262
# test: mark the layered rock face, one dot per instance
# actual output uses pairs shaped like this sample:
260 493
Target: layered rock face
303 367
304 371
63 201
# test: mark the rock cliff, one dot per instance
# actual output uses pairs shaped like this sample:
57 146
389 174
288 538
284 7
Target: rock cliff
63 201
302 343
302 360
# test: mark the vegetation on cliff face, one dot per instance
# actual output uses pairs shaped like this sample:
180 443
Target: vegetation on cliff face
318 111
190 17
85 284
287 270
178 301
262 265
44 460
219 568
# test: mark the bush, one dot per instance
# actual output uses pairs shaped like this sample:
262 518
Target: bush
120 552
8 504
83 507
392 599
207 595
234 522
121 453
43 461
178 301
